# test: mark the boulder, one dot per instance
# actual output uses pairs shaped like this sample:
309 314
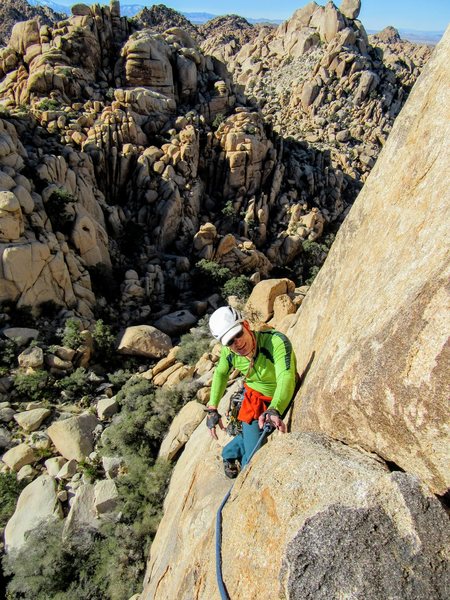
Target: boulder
106 496
67 470
20 456
282 306
37 502
181 429
54 464
30 420
11 219
111 465
176 323
5 438
73 437
350 8
259 306
106 407
21 335
82 513
144 340
31 358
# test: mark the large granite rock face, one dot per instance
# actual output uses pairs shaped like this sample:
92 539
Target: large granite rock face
373 331
304 500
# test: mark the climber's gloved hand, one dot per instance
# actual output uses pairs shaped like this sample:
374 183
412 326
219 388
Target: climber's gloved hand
213 418
272 417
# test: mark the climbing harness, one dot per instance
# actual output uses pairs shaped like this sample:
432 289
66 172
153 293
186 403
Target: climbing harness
234 426
267 430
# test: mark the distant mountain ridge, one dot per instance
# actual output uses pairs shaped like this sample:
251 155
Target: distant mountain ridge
198 18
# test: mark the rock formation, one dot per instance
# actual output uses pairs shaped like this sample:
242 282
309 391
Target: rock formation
12 11
372 344
136 140
383 373
130 153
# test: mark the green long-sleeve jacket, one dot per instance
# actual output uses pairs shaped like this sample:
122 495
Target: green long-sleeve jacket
273 373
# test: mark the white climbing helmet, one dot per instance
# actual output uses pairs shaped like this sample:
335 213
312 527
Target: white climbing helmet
225 323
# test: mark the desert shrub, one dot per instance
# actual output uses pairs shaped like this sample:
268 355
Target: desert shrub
57 205
47 568
76 384
194 344
71 335
91 469
48 104
213 271
218 120
10 489
208 276
119 378
32 386
313 272
8 353
104 341
240 286
314 255
228 209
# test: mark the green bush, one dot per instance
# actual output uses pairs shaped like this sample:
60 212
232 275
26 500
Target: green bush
240 286
194 344
71 335
32 386
119 378
76 384
10 489
45 567
56 207
228 209
8 353
313 272
104 341
48 104
218 120
208 276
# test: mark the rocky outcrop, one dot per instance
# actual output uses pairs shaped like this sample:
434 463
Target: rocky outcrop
160 18
379 346
12 11
313 516
317 78
224 36
316 495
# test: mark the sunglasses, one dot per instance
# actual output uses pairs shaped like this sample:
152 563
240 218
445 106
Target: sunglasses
236 337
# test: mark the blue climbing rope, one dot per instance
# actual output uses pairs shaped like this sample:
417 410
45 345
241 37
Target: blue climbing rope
268 428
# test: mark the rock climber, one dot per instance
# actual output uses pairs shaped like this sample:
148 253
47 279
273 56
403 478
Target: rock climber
267 362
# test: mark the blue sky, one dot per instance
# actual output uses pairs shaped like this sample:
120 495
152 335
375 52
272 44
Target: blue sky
421 15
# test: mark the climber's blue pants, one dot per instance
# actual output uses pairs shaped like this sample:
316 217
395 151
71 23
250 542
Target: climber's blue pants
241 445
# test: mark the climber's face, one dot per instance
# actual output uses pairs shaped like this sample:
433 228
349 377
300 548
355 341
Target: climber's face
243 342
